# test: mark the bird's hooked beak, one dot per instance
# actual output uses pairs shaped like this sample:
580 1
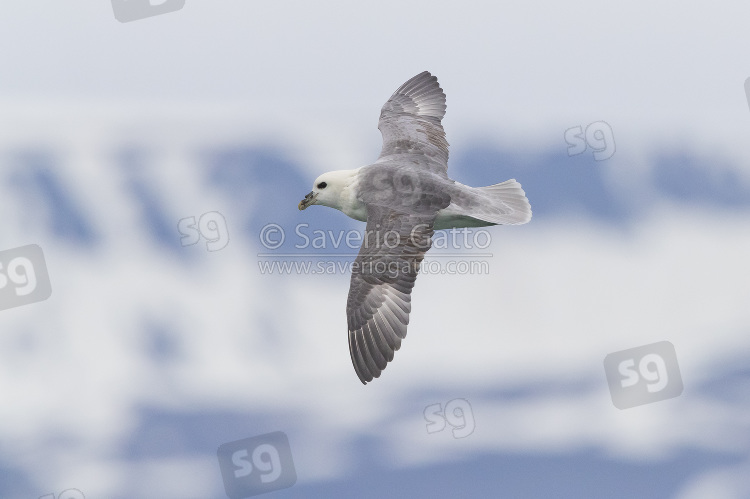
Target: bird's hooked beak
309 199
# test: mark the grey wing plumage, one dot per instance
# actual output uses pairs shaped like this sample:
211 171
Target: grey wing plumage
410 123
383 276
403 191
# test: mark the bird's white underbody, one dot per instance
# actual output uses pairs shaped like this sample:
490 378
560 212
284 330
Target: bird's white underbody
340 193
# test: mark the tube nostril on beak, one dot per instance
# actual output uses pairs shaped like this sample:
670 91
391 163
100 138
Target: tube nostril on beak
307 201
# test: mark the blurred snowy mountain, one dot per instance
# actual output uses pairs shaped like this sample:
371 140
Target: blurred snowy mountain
150 354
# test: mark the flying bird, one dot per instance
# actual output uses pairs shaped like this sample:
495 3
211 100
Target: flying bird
404 197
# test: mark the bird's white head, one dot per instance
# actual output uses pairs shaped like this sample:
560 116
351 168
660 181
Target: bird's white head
329 189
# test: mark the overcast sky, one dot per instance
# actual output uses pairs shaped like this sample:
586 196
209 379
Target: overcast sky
660 73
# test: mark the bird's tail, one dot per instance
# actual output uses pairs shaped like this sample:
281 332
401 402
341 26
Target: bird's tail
507 205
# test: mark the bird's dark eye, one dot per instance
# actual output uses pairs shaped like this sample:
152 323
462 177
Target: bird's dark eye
322 185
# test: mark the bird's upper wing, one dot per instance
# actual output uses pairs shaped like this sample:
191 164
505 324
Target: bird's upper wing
383 276
410 125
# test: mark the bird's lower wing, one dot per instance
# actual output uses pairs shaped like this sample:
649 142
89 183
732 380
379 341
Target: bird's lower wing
383 276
